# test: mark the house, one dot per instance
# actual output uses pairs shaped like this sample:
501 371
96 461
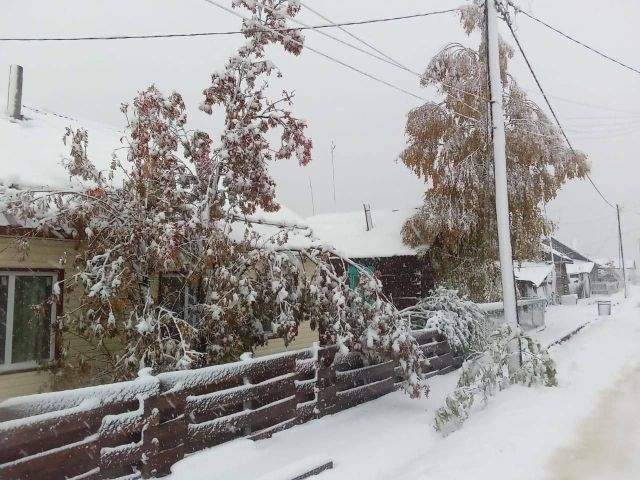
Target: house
581 271
580 275
31 149
534 279
372 238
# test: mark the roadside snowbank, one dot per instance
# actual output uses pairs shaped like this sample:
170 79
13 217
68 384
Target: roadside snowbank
513 437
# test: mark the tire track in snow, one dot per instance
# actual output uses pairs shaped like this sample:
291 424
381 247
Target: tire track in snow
607 443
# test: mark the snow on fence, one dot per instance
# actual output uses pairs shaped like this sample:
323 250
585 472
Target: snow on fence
139 428
531 312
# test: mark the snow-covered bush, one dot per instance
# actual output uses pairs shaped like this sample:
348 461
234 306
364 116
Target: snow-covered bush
461 321
511 357
180 203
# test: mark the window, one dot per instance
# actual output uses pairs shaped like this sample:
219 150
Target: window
175 294
26 316
354 274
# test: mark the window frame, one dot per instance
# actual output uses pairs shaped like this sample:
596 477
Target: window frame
7 366
185 290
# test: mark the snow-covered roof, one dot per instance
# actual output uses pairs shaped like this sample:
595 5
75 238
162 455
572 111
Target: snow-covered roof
557 255
533 272
32 148
348 234
579 267
269 227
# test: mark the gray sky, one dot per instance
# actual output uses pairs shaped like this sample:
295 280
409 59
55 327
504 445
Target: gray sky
365 120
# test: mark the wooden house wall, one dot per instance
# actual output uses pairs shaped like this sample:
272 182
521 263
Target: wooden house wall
404 278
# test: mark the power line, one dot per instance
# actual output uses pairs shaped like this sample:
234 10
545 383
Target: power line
594 106
384 58
211 34
355 37
505 16
322 54
569 37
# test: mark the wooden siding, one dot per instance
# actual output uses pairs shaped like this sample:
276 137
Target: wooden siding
405 278
45 253
306 337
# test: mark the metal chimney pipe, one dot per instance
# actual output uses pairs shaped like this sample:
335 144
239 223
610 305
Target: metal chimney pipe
14 94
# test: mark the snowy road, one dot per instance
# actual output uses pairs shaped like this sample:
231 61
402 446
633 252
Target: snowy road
561 433
607 444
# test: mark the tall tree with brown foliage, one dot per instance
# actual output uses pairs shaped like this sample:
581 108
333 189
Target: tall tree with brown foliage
449 146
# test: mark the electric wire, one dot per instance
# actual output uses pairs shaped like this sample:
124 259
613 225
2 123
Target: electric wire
352 35
322 54
384 58
210 34
505 16
333 59
569 37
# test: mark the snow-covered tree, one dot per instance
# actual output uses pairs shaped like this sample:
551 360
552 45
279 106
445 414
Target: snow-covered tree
459 320
449 147
180 204
510 357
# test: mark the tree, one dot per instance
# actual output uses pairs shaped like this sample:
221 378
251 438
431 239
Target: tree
179 203
449 147
505 357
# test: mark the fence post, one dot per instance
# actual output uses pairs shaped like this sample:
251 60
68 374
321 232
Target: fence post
247 404
326 381
151 415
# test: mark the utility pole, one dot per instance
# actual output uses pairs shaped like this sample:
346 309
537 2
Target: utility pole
500 165
553 259
622 265
333 173
14 92
313 202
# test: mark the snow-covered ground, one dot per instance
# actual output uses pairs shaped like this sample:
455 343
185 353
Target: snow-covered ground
524 433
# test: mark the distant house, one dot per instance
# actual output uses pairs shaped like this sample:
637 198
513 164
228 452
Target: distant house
374 241
562 271
534 279
581 275
581 271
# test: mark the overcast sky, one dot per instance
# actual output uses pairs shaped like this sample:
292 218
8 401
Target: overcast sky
598 101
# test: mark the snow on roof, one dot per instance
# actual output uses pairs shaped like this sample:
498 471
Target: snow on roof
347 232
32 148
32 151
557 255
579 267
270 225
532 272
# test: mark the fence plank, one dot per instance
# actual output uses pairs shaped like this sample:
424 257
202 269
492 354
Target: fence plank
120 456
364 375
355 396
67 461
199 404
217 431
426 335
435 348
53 429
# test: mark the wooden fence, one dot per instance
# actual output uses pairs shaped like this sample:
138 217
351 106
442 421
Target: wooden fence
605 287
138 429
